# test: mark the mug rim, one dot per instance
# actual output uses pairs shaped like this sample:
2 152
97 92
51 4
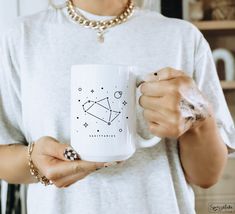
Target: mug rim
105 65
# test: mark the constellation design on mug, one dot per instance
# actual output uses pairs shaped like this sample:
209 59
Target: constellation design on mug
118 94
101 110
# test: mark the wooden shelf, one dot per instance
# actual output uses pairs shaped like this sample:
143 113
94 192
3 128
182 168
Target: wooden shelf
228 85
215 25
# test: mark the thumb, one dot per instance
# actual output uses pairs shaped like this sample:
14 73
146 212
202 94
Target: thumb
61 151
167 73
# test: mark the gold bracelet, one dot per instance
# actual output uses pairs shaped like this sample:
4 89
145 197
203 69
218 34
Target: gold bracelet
33 170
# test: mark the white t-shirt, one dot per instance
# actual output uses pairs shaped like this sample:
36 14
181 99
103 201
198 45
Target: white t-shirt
36 57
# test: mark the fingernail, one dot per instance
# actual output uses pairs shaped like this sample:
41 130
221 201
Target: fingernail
99 168
109 164
120 162
71 154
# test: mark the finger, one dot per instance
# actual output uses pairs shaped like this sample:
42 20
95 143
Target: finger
163 74
156 89
158 130
161 104
160 119
69 180
86 167
167 74
54 148
154 117
63 169
162 132
150 104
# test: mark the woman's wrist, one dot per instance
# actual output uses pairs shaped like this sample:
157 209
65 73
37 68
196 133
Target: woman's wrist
206 134
32 168
29 178
206 121
14 164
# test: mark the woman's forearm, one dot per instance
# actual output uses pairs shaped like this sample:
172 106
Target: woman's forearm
14 164
203 154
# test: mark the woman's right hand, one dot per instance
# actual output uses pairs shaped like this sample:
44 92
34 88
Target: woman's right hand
48 156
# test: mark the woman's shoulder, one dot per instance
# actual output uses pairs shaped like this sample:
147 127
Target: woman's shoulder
32 21
154 23
155 19
160 22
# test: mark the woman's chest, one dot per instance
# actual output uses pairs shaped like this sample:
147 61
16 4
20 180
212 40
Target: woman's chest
45 80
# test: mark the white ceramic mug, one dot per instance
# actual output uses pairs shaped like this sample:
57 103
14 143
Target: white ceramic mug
103 112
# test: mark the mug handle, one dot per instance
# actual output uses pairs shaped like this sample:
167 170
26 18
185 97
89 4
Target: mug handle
142 142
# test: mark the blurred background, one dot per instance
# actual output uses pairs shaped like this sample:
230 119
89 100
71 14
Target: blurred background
216 20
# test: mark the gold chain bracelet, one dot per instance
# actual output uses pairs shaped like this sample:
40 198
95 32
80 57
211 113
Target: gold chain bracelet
33 170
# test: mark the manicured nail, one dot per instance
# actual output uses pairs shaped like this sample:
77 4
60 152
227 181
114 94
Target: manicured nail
120 162
109 164
71 154
99 168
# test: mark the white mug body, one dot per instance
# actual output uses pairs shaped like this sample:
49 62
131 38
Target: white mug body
103 111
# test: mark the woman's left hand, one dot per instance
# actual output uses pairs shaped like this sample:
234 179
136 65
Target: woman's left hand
172 103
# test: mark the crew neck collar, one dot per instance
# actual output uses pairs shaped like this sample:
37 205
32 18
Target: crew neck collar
93 16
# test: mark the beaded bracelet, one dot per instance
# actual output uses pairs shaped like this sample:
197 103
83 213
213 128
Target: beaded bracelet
33 170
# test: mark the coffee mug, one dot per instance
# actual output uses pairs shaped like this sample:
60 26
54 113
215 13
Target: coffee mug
103 112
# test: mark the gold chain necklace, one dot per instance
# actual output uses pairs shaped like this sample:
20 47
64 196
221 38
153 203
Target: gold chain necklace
99 26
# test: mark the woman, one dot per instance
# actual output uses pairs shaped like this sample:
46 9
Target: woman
36 56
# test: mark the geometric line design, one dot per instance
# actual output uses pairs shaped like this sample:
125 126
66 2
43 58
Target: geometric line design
101 110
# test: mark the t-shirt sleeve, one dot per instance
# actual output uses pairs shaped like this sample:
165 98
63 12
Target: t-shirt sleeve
208 82
10 95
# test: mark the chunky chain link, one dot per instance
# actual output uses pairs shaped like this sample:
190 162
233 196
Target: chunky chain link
100 26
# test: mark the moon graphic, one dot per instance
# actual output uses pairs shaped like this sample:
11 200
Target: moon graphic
118 94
